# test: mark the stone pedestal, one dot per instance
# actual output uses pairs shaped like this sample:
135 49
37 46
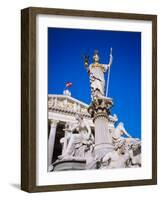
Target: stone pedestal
69 164
99 110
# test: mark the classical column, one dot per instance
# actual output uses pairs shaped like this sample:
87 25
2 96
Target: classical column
103 139
51 142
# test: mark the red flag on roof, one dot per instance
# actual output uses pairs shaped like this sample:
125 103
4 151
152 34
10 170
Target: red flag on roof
68 84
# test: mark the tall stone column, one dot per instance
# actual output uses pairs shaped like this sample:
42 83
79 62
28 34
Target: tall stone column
99 112
51 142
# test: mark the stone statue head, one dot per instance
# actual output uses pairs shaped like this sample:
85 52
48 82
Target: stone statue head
96 57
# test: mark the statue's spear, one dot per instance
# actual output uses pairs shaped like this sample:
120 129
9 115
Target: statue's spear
109 65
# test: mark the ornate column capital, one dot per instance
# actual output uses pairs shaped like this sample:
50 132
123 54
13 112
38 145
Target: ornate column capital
100 107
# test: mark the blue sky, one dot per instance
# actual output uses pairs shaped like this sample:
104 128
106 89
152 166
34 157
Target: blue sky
65 64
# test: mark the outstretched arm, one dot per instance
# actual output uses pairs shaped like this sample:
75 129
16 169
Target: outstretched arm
111 59
86 61
126 133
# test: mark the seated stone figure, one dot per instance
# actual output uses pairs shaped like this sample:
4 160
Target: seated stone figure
80 142
117 158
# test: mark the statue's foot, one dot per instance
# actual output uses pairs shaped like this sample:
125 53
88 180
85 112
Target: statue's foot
61 157
65 157
50 168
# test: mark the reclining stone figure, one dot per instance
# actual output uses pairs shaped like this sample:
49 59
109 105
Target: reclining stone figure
117 158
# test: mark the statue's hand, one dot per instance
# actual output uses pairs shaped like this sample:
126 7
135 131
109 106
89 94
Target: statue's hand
111 58
110 62
86 61
86 64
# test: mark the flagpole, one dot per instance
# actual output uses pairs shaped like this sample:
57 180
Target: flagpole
108 78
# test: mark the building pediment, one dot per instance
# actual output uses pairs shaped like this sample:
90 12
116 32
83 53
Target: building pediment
67 104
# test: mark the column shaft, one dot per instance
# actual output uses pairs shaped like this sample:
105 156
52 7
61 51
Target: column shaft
51 141
103 140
